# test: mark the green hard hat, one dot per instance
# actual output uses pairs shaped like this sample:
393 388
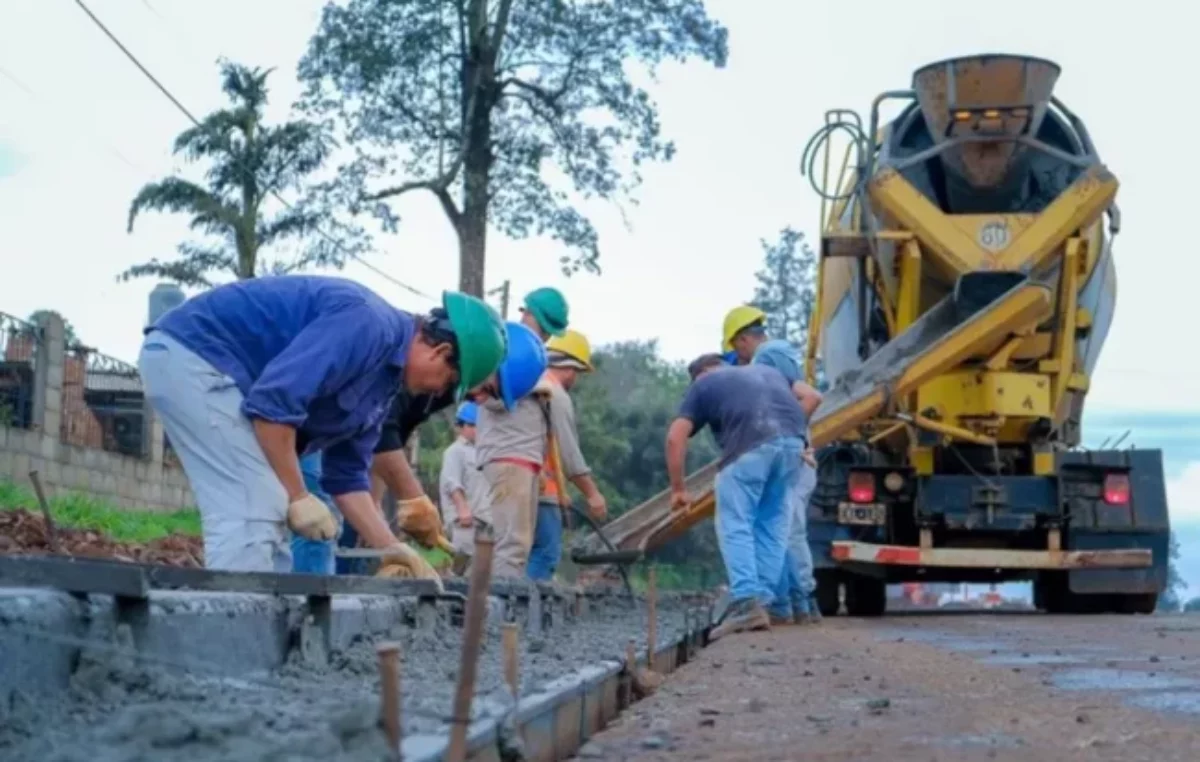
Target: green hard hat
549 307
482 342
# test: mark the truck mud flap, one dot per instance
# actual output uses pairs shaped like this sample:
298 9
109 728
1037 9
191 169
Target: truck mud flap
982 312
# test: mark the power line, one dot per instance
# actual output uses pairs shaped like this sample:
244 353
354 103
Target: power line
20 84
191 117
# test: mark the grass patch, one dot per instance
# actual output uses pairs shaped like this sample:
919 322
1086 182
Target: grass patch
84 512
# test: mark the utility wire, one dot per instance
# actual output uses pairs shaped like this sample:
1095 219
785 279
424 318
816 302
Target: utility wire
191 117
18 83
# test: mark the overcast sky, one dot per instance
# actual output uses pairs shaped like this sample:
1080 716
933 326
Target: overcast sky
81 130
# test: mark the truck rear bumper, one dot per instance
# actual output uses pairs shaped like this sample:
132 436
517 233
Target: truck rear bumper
978 558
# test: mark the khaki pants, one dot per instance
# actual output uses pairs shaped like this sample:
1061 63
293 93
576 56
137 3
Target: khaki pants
512 497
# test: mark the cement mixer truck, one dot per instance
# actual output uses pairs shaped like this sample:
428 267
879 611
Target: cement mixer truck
966 284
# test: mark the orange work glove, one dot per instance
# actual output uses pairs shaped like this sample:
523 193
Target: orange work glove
418 517
402 561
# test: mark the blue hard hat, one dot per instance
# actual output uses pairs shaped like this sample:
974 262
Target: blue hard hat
468 413
522 366
781 356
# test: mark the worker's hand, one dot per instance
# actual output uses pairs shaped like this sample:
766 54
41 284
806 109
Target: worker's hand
810 458
466 522
680 500
311 519
419 519
598 507
403 562
543 384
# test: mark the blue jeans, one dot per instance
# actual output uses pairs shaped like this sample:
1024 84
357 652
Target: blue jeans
797 585
314 556
547 543
349 539
755 497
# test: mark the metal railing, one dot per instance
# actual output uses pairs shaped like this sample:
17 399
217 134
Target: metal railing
103 403
20 342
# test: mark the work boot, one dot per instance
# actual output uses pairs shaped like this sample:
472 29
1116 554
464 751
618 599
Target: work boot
814 610
721 605
783 620
744 615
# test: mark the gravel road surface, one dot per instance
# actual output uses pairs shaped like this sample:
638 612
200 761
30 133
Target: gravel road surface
929 687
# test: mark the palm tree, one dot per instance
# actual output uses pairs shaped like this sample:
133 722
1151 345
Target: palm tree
248 163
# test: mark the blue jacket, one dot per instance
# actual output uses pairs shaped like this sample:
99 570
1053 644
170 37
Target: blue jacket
322 354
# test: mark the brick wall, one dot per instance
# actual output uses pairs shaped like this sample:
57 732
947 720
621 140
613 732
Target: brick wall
54 448
137 483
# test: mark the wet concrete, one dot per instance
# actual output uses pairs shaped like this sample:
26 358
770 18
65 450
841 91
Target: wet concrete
114 707
1117 680
915 689
1151 663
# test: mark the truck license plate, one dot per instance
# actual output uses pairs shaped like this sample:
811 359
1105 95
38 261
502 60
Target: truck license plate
868 514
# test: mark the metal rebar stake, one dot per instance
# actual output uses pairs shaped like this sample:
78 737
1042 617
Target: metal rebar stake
477 593
51 529
651 617
511 668
389 680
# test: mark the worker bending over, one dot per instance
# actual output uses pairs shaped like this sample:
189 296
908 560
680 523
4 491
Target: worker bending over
510 447
795 600
249 374
759 425
568 356
544 311
462 487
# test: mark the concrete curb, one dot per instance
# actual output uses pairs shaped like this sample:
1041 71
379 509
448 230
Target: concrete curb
229 634
554 723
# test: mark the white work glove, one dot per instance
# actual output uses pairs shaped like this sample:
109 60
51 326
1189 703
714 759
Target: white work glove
311 519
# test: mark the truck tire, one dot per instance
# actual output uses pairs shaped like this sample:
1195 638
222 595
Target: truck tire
829 592
1136 603
865 596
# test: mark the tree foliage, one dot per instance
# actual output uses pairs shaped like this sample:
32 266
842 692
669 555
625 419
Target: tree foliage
69 336
495 107
1172 597
787 289
247 163
622 413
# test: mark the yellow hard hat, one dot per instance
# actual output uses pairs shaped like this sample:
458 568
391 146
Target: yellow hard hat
736 319
574 345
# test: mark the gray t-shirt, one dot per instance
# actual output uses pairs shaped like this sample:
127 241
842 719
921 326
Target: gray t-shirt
519 433
745 407
460 471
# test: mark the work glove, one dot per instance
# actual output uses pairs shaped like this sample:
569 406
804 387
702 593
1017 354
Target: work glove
311 519
418 517
402 562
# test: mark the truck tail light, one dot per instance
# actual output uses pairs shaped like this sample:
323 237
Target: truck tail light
862 487
1116 489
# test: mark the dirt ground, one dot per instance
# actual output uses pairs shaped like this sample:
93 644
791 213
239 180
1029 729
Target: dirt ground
929 688
24 532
